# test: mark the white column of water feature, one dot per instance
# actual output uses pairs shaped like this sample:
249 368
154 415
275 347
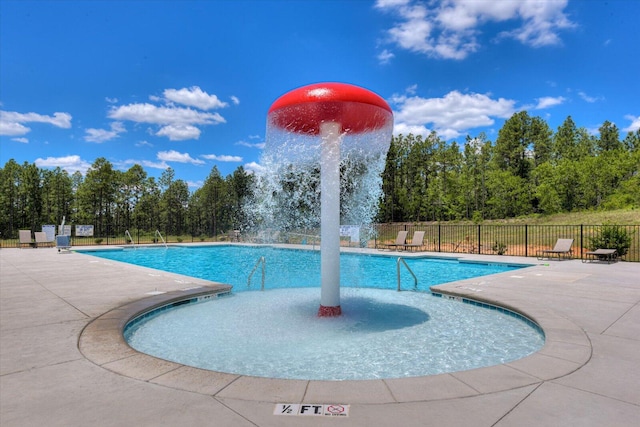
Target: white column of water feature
330 219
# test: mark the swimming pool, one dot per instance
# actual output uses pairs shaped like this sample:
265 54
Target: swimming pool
288 268
277 334
381 334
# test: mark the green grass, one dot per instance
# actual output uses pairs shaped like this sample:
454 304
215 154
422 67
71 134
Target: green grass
595 217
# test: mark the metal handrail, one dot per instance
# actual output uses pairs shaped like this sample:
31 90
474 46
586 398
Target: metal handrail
415 279
127 234
262 261
161 238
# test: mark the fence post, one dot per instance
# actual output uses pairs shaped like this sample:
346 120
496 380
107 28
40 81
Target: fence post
526 240
479 240
439 238
581 237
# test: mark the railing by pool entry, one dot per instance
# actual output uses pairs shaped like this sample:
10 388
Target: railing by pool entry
128 236
161 238
415 279
262 261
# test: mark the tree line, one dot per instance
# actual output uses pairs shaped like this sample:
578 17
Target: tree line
114 201
528 169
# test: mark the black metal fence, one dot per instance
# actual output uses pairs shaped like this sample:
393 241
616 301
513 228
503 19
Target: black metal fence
515 240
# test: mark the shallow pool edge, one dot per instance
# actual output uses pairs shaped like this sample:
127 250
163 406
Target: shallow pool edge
566 349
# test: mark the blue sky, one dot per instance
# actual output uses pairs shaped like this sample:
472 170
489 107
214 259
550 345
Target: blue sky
187 84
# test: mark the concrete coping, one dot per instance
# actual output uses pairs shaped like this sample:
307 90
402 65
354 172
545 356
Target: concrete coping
566 349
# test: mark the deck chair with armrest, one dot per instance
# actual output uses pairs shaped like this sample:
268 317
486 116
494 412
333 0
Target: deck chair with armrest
417 241
562 250
401 240
25 237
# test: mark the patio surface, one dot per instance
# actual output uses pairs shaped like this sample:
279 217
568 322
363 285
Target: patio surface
63 361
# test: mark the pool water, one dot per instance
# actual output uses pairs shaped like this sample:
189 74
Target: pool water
287 268
277 333
381 334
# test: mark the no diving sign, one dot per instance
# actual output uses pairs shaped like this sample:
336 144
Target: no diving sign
314 410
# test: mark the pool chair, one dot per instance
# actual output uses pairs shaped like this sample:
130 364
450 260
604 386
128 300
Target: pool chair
401 240
41 239
608 255
417 241
562 250
25 237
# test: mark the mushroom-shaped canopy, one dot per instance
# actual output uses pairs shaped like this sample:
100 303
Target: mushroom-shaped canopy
358 110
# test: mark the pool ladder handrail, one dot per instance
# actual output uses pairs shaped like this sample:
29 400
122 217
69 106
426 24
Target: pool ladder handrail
161 238
262 261
415 279
127 234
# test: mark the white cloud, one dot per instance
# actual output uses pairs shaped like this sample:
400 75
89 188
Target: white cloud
21 140
174 156
71 164
235 100
194 97
179 132
587 98
411 90
103 135
449 29
635 123
111 100
549 101
155 165
146 163
259 145
12 123
405 129
450 115
385 56
195 184
254 167
176 123
12 128
149 113
391 3
593 130
222 158
542 21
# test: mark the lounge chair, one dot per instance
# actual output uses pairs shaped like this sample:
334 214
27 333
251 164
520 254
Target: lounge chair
41 239
562 250
25 237
417 241
608 255
401 240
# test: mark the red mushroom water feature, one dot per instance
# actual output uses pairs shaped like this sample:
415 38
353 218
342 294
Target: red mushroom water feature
332 111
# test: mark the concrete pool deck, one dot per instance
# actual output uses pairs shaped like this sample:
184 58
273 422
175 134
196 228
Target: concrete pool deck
62 361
